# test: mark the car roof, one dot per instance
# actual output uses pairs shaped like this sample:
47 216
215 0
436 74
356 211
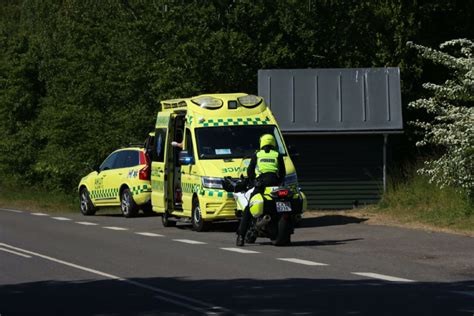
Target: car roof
130 148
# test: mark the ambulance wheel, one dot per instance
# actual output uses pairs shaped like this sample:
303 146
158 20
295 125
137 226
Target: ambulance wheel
87 208
199 224
167 222
127 204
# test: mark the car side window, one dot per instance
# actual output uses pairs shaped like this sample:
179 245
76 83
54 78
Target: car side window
108 162
126 159
119 162
134 158
160 139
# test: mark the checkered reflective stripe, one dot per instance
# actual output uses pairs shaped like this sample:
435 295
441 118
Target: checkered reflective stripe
189 187
235 121
158 185
217 193
104 194
141 189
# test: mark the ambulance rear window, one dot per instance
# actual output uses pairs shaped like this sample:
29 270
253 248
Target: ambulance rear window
233 141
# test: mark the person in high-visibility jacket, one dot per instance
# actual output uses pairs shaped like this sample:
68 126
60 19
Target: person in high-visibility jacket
266 168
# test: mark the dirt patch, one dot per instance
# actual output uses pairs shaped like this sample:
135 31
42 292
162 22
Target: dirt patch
371 217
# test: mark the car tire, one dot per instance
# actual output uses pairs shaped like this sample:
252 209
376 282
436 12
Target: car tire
147 209
199 224
167 221
87 208
127 204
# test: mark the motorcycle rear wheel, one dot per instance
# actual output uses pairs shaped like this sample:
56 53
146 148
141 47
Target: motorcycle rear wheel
283 236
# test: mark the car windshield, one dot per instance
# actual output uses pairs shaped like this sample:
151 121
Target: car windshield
233 141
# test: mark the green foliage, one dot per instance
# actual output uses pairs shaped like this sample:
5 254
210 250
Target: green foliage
452 126
80 78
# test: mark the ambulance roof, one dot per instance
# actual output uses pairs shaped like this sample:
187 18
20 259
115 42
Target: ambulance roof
222 104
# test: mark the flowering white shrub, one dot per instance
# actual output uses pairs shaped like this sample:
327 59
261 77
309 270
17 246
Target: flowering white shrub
452 108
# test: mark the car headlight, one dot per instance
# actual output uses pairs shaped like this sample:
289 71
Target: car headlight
212 183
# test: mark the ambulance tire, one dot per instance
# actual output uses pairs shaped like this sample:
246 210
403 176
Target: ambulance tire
127 204
87 208
199 224
166 221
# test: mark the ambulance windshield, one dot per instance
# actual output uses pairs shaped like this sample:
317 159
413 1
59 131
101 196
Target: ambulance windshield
233 141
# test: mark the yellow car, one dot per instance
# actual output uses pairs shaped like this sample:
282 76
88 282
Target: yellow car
122 179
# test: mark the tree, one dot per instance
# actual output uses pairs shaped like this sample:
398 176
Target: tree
451 107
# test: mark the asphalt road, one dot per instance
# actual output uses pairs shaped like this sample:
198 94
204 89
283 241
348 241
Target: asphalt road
108 265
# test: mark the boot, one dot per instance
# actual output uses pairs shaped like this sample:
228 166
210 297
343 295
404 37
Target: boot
239 241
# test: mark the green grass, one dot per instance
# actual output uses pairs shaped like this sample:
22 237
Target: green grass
419 201
37 199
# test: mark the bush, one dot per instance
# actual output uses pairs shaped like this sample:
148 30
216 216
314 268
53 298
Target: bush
452 126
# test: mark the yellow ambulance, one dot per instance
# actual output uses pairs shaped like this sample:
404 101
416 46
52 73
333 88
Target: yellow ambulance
197 142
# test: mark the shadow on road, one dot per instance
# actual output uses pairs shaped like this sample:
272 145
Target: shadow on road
330 220
223 227
301 243
297 296
327 220
323 242
121 215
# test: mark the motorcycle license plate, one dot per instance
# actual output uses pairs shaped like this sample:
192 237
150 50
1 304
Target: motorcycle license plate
283 207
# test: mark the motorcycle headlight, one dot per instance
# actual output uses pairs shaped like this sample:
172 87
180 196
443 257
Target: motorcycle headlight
212 183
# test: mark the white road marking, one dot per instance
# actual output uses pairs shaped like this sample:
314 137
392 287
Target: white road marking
382 277
149 234
192 242
61 218
305 262
115 228
87 223
240 250
39 214
10 210
177 299
14 252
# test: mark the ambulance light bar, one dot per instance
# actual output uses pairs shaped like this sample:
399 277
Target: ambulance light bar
250 101
208 102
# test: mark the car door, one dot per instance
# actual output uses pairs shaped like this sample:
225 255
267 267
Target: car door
126 159
159 170
100 194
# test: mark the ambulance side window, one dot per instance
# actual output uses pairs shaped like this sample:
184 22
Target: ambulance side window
189 142
160 139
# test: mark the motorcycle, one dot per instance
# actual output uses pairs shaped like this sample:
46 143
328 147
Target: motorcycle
274 213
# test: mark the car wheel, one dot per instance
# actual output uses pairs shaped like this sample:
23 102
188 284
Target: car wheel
87 208
199 224
127 204
147 209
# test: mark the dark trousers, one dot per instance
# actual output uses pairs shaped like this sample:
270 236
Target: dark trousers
264 180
